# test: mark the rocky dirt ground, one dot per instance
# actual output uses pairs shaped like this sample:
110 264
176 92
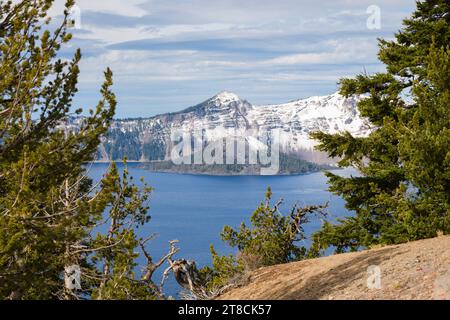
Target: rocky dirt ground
415 270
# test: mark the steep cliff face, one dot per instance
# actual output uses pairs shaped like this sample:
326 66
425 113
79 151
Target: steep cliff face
226 114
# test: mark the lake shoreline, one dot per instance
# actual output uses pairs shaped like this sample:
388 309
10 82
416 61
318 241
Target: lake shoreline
144 166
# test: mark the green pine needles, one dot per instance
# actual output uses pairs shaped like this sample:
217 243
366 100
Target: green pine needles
50 211
273 238
404 191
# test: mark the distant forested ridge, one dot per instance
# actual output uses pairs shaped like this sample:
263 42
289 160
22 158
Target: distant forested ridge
289 165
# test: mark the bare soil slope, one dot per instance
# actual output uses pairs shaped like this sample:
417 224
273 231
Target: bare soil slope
415 270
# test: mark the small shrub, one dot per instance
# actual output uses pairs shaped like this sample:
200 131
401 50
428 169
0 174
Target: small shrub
271 239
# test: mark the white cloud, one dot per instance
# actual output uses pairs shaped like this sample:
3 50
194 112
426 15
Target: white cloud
284 48
114 35
182 65
129 8
344 51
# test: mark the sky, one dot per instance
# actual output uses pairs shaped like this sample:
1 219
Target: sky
167 55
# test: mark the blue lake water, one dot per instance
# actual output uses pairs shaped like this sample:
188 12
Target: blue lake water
194 209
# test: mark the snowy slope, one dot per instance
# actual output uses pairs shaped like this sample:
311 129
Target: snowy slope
298 119
227 114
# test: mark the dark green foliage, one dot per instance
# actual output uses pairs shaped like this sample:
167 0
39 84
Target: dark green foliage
49 208
272 239
289 164
404 191
225 270
118 145
123 145
292 164
127 212
154 150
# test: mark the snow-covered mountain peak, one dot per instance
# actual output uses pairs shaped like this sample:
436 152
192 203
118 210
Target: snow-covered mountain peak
226 114
226 97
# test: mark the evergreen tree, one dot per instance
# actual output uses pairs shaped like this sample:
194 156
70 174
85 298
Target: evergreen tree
403 192
273 238
49 208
